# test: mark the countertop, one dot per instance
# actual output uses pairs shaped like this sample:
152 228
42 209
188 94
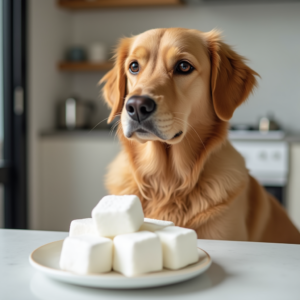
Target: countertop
79 133
232 135
240 270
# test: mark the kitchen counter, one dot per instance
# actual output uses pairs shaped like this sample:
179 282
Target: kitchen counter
240 270
104 133
232 135
292 138
257 136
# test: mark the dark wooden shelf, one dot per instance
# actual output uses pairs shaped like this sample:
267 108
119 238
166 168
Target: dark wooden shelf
84 66
84 4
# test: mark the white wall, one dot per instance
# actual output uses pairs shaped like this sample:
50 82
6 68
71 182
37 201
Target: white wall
267 34
49 32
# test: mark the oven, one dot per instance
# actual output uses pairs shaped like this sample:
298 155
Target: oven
267 161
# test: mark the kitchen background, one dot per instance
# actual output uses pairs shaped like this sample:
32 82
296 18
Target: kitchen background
66 168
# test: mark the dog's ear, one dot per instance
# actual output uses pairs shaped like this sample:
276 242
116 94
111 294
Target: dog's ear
231 79
114 90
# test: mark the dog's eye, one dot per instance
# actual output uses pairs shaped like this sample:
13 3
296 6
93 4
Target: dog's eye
183 67
134 68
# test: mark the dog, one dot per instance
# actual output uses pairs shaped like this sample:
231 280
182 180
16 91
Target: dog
175 90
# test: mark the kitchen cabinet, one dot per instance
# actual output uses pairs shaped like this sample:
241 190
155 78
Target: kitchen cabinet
293 187
72 171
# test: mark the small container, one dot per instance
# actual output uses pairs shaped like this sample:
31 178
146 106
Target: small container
76 54
97 52
74 114
267 124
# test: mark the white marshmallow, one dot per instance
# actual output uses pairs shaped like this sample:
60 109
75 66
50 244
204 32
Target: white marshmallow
82 227
115 215
153 224
137 253
179 246
86 254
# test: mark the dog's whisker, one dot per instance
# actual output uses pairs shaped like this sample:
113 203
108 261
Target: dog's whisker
193 129
189 141
102 121
117 131
112 129
98 124
187 133
198 136
119 128
114 126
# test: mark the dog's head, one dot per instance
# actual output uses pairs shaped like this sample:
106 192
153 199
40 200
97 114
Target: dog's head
167 82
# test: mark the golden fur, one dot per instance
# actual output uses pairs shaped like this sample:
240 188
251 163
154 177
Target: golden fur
197 180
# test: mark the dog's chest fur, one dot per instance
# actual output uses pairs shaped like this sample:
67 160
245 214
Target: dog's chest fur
188 200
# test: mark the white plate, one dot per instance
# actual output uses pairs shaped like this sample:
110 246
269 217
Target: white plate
46 260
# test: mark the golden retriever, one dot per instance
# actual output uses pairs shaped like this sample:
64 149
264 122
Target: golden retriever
175 90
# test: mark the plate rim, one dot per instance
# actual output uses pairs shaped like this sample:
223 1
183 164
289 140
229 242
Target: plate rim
65 274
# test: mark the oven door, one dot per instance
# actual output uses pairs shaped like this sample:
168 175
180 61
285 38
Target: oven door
274 183
267 162
278 192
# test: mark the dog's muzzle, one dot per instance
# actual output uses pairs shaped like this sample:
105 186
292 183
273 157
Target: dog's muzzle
139 108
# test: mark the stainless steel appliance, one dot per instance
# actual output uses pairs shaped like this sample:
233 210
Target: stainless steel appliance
74 114
267 159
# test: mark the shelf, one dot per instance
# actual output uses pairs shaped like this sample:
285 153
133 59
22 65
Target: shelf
84 66
83 4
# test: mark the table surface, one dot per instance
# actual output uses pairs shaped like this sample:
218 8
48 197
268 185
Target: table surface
240 270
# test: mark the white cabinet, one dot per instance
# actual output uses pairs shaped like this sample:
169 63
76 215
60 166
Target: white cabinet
72 171
293 188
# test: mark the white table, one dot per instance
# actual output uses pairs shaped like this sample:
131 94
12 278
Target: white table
239 271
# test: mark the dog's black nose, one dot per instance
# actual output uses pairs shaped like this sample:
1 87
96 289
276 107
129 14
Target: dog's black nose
139 108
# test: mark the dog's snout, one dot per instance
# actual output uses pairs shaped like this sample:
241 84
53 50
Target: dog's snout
139 108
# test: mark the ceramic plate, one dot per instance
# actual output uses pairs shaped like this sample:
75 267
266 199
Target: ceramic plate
46 260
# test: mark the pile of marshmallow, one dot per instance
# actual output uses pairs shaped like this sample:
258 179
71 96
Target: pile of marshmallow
118 237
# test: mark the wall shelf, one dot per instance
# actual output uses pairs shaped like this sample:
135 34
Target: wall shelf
84 66
84 4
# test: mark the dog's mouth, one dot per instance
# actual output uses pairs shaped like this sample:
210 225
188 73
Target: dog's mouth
178 134
145 133
148 131
144 130
140 130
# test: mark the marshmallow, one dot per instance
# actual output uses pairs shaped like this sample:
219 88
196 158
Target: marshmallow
115 215
153 224
86 254
137 253
82 227
179 246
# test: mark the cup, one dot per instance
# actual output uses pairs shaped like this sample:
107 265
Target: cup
76 53
97 52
